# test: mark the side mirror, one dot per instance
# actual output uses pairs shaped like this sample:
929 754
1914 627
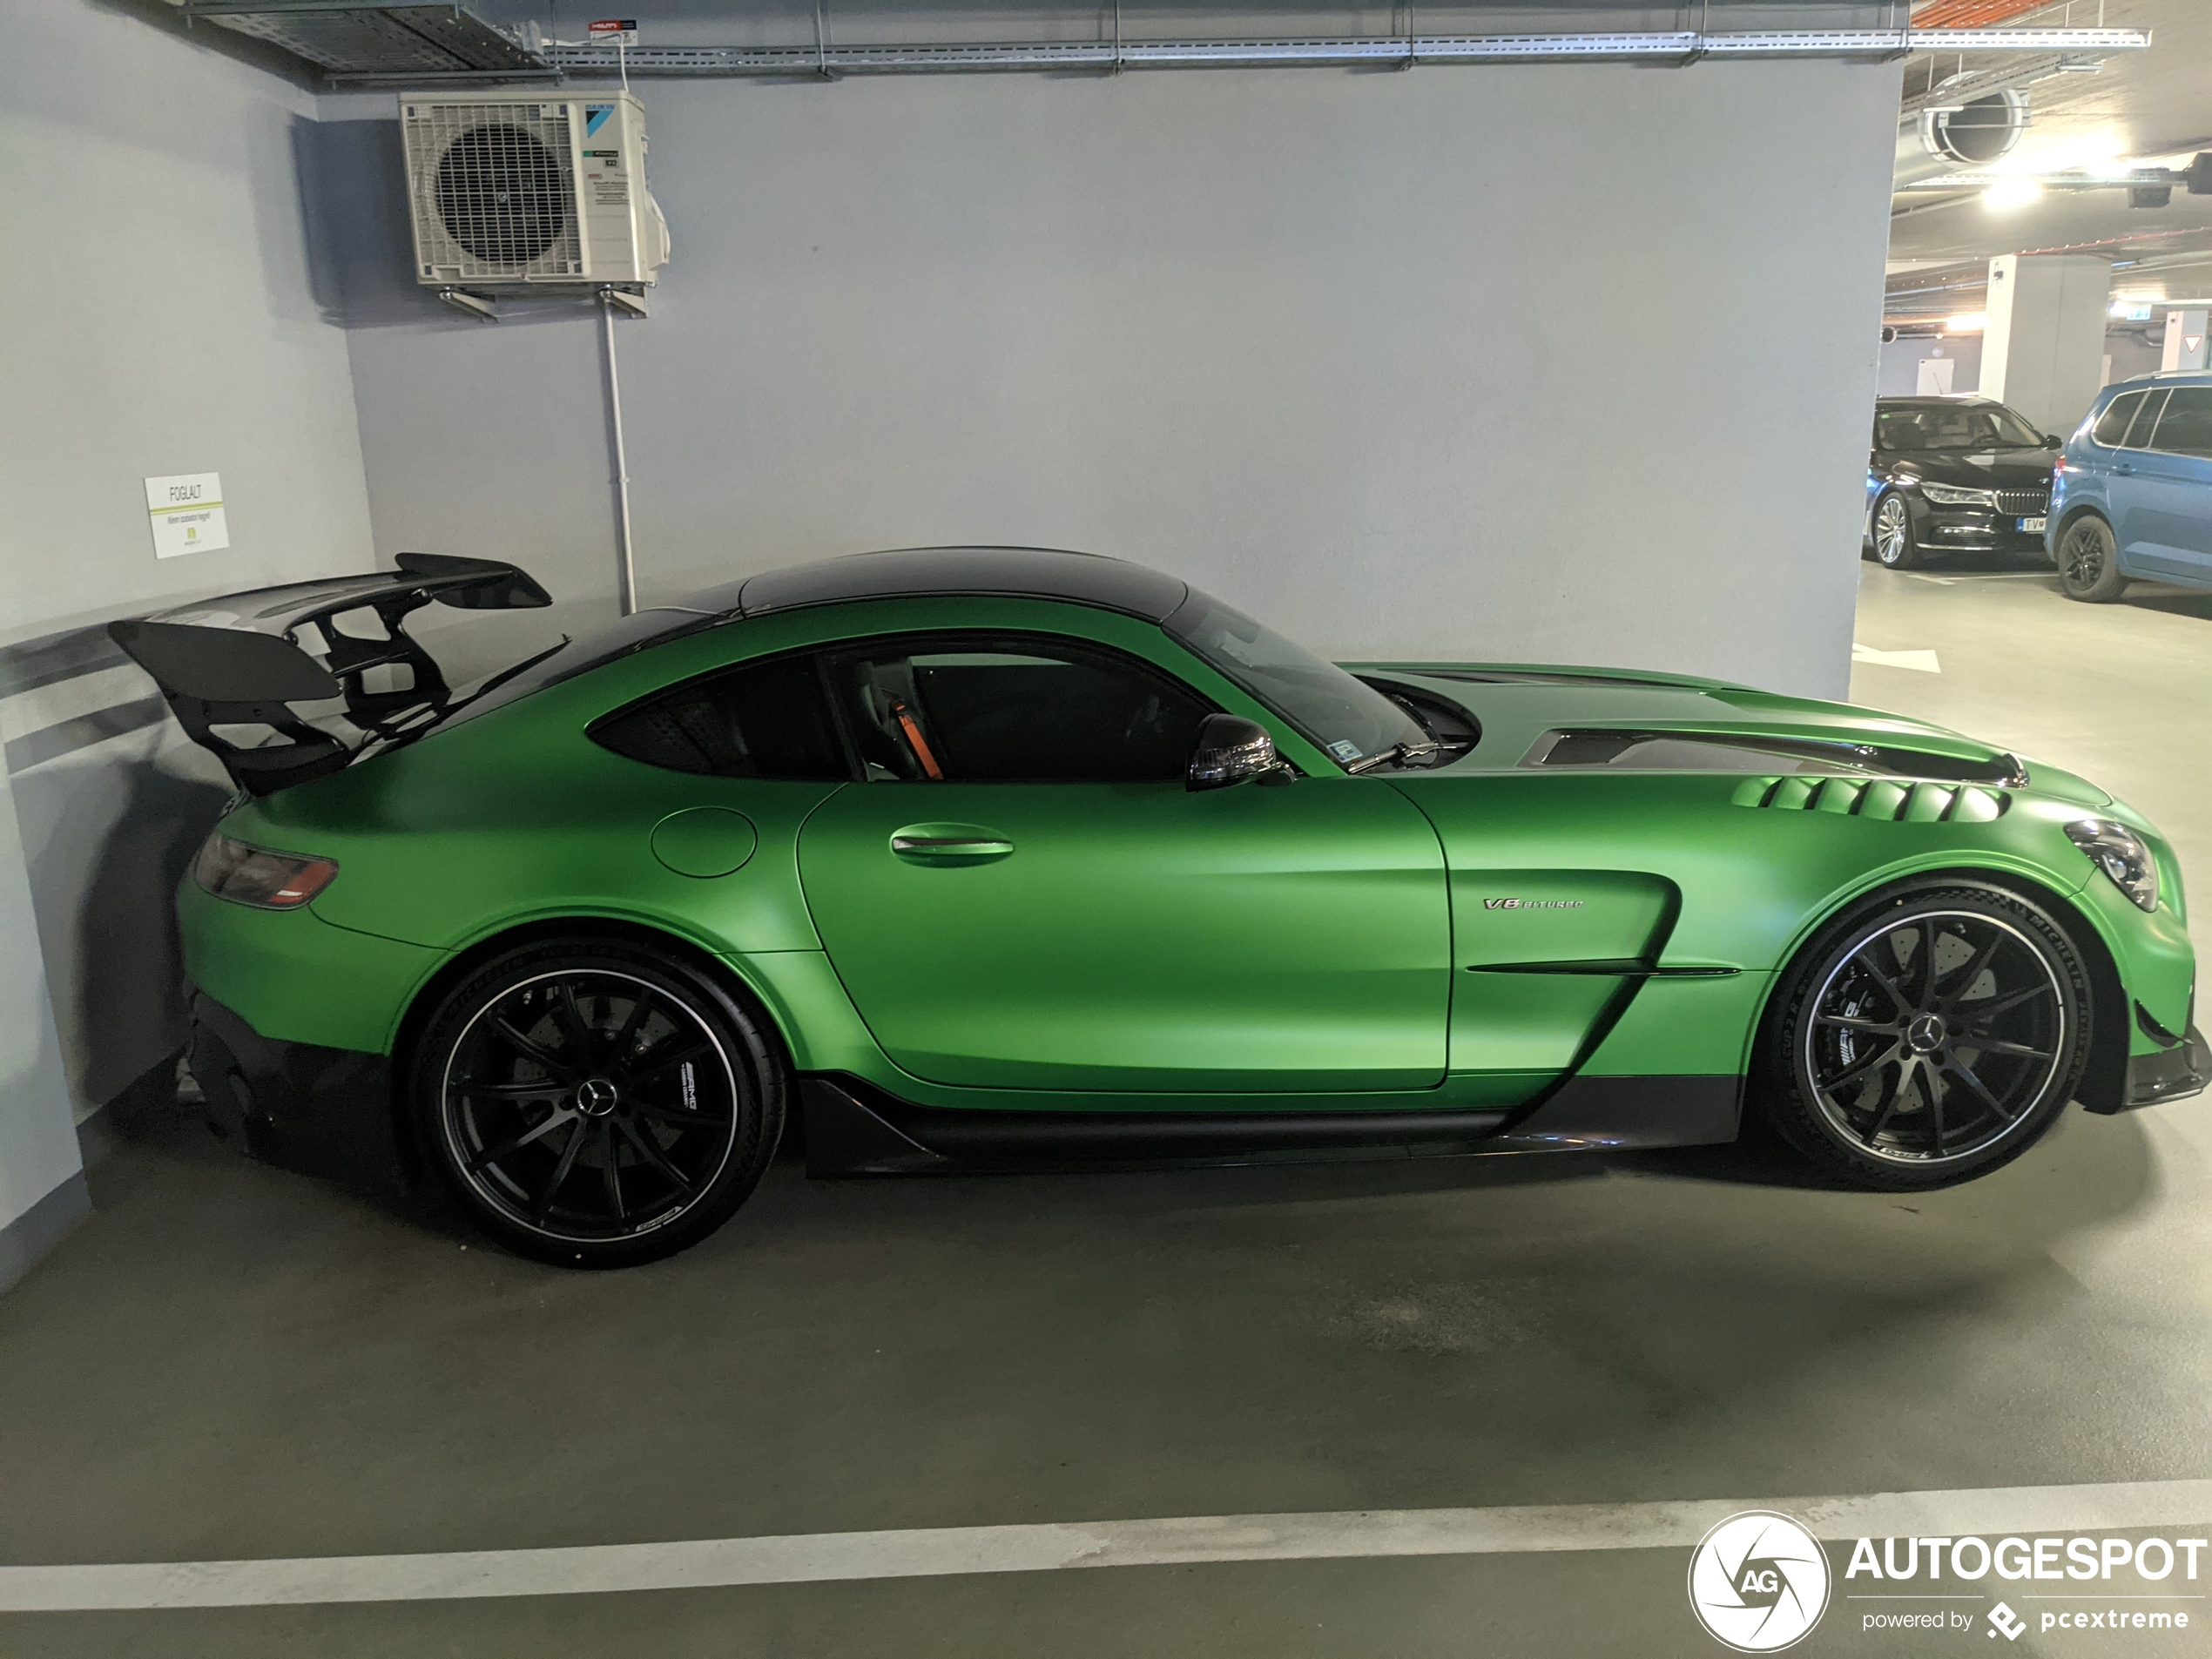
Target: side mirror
1229 749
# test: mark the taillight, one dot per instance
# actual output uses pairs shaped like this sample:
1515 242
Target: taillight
266 880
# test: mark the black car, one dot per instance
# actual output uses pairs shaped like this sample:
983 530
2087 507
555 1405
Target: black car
1955 474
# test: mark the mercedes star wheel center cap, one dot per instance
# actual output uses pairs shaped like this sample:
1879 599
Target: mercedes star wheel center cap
1925 1034
597 1097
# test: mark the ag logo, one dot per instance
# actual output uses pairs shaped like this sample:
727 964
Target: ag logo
1758 1582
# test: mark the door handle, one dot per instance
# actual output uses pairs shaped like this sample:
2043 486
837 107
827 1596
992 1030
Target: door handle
948 844
2123 470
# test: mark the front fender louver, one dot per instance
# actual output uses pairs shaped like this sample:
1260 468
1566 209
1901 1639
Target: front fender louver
1890 799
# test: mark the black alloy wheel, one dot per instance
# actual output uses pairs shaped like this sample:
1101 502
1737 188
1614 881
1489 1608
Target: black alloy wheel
595 1105
2089 562
1930 1038
1894 546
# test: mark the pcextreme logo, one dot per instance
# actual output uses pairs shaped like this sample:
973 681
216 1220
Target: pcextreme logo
1758 1582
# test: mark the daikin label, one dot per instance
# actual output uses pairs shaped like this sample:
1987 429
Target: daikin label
186 512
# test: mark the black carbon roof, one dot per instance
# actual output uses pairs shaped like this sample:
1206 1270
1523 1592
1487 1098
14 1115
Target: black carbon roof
1004 572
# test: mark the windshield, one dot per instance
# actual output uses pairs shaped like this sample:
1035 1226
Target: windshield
1954 426
1344 716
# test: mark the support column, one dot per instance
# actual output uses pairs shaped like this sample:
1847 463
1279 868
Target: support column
2185 338
2043 349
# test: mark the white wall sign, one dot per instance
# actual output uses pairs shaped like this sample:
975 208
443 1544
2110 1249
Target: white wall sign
187 513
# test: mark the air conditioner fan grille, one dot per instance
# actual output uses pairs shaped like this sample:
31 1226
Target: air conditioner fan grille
493 191
502 195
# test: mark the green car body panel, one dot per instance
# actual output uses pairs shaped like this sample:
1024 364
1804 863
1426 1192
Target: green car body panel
1344 943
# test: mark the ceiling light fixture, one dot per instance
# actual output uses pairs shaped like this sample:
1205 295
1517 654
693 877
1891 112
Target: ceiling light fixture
2014 193
1966 322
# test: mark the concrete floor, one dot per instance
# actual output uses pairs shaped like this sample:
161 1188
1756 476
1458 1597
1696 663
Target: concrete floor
230 1361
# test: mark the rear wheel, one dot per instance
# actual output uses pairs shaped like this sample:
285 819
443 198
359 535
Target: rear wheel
1893 543
2089 562
1927 1037
596 1105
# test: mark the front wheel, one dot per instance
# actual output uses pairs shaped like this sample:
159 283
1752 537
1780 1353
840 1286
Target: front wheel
2089 562
595 1104
1894 546
1926 1037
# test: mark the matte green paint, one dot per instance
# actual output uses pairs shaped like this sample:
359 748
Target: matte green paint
705 842
1537 1022
1323 944
296 977
1142 937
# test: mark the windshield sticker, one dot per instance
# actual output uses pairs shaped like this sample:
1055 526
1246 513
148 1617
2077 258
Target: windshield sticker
1345 749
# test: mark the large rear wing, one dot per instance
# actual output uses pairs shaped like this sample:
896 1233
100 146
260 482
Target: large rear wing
242 660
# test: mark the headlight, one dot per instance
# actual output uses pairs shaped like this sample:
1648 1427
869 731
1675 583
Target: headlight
1952 496
266 880
2120 853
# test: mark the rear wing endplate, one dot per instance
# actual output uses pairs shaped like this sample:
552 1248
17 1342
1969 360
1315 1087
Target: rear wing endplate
242 660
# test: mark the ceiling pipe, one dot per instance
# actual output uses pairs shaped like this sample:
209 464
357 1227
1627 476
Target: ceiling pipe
836 61
1343 52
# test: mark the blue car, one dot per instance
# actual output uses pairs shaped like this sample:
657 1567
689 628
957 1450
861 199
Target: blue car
2133 495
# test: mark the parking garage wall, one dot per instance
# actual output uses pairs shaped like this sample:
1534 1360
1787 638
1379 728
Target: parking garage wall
163 319
42 1183
1415 365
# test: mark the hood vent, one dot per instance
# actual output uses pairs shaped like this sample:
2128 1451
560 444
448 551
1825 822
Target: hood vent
1883 797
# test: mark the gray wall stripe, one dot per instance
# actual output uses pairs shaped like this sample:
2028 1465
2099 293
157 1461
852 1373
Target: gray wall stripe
51 742
56 657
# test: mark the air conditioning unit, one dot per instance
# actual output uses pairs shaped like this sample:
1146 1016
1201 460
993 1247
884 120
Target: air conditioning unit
514 191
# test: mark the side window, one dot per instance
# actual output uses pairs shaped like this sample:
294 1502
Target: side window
2112 425
2139 429
2185 426
1013 709
767 719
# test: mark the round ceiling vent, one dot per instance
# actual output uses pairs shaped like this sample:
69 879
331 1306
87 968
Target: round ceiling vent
1978 131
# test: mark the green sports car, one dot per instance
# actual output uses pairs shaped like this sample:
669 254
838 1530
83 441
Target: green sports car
981 857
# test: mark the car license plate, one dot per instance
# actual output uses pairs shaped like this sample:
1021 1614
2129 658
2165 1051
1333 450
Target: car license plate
2033 526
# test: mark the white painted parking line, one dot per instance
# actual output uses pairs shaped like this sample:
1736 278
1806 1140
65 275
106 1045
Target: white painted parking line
1922 661
1183 1540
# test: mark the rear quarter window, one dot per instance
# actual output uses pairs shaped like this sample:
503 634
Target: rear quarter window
768 719
2112 425
2139 429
